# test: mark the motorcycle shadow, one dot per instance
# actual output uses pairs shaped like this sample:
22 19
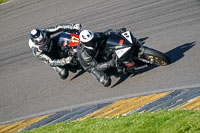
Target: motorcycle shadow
174 55
78 74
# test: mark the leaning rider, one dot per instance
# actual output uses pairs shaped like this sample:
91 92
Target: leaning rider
89 48
44 46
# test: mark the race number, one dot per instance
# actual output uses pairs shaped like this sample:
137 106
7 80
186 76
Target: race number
74 40
127 35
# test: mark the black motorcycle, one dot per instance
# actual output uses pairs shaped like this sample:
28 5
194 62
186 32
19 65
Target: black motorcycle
130 54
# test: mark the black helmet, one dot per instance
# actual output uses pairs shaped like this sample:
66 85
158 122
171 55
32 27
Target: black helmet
39 37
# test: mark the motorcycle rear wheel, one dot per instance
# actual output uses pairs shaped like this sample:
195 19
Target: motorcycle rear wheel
156 57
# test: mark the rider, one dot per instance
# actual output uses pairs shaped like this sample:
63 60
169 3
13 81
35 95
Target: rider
89 48
44 46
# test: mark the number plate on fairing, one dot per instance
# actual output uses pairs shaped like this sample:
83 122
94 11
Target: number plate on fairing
127 35
74 40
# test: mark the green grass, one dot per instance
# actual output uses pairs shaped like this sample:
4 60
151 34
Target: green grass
175 121
2 1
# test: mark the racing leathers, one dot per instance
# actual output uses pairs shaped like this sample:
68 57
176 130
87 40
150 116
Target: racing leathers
89 58
49 53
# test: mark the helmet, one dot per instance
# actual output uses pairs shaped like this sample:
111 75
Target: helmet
39 37
87 38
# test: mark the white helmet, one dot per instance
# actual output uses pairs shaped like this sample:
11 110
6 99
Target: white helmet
86 36
88 40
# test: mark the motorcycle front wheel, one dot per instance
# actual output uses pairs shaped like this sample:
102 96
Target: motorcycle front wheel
156 57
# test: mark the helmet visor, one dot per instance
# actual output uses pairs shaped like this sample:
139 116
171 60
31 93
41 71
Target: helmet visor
41 40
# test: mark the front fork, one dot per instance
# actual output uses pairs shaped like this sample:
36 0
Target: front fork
141 56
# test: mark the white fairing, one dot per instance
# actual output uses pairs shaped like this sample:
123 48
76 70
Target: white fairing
127 35
121 52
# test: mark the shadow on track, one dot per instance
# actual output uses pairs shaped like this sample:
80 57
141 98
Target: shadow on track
78 74
174 54
178 52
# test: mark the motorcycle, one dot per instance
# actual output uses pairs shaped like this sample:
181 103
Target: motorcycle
130 53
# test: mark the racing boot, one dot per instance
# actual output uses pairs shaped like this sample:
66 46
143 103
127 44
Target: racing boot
106 82
101 77
62 72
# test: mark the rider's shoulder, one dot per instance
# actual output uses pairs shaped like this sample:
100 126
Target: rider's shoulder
32 45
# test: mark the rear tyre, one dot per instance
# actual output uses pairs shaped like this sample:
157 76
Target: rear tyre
156 57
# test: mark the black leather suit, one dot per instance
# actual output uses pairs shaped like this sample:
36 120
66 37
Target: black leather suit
89 59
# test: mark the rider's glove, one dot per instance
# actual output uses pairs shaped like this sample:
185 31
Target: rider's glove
77 26
70 53
113 63
60 62
67 60
74 61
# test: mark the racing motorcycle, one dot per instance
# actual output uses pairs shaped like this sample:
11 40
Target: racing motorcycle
130 53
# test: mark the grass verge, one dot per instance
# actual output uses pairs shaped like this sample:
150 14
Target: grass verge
174 121
3 1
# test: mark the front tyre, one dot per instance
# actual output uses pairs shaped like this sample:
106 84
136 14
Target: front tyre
156 57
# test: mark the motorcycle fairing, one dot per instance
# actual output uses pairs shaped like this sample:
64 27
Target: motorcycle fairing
116 41
119 44
121 52
68 43
74 40
64 40
127 35
68 40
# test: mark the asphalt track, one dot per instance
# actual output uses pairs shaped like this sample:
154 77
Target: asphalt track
29 87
